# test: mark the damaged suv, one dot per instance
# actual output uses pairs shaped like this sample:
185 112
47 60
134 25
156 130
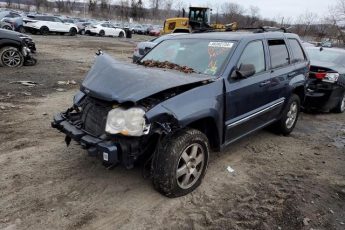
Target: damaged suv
187 96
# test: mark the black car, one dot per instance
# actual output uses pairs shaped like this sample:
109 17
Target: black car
326 84
16 49
189 95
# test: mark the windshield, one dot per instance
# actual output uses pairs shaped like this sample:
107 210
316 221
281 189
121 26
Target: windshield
327 55
203 56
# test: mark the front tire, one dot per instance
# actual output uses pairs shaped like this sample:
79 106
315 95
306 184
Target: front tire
11 57
101 33
180 163
289 117
121 34
73 32
44 30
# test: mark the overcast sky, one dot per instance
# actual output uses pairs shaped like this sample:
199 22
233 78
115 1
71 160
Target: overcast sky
275 8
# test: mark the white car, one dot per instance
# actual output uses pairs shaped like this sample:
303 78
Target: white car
104 29
46 24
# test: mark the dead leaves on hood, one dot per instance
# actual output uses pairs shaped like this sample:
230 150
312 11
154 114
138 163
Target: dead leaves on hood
167 65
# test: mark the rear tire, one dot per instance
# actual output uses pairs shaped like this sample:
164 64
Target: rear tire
11 57
44 30
341 105
289 116
121 34
101 33
180 163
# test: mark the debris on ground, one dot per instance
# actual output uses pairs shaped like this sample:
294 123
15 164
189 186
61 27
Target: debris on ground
306 221
2 107
230 170
26 83
60 90
69 82
27 93
167 65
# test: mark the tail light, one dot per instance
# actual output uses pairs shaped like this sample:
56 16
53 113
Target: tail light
327 77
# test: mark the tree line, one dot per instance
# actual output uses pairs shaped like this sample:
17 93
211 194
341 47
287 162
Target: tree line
306 25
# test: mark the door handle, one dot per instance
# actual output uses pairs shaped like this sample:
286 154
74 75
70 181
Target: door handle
264 83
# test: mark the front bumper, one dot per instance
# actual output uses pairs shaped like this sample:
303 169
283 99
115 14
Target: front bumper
106 150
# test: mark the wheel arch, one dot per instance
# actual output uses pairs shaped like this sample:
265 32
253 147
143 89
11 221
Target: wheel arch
208 126
300 92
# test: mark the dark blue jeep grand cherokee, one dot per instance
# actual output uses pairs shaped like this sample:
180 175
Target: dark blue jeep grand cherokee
188 95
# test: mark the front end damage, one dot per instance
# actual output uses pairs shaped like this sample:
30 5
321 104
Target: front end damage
85 123
102 96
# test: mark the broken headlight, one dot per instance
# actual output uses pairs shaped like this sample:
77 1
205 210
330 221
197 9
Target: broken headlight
130 122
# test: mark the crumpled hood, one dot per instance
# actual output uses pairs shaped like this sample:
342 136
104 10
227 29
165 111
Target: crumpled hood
111 80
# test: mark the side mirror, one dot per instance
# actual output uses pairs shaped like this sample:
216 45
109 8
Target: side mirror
244 71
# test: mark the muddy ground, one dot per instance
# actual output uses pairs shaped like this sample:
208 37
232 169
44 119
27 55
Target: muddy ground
295 182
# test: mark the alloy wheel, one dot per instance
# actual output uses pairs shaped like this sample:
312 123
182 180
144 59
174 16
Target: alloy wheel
291 115
190 166
11 58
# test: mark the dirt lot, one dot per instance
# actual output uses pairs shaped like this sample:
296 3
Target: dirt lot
295 182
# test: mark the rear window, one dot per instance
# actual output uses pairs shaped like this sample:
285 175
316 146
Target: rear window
297 52
279 53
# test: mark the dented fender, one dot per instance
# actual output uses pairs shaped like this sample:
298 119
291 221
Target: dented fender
205 101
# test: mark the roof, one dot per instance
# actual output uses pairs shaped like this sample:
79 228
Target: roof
237 35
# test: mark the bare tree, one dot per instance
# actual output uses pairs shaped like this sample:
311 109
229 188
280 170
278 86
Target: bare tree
155 4
232 11
9 3
179 5
39 3
304 22
254 15
336 18
60 4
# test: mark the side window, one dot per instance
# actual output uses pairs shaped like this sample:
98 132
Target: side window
56 20
279 53
253 54
297 51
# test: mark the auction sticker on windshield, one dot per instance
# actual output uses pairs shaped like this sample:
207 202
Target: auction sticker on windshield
221 44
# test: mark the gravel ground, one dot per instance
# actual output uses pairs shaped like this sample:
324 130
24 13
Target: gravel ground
295 182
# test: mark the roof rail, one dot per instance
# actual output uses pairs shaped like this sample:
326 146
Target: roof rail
262 29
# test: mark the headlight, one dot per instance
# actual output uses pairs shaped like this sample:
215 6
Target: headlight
129 122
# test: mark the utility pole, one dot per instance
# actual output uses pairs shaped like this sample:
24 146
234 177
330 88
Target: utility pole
85 8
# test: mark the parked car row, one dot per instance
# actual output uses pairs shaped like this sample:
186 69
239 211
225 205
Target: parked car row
45 24
153 30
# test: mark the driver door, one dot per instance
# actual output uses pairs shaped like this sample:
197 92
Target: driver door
246 96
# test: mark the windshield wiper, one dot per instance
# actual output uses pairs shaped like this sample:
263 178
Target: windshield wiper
167 65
